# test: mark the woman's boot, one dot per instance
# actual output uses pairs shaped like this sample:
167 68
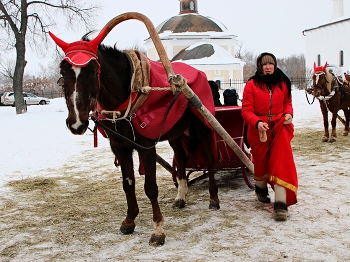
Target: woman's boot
280 206
262 194
280 211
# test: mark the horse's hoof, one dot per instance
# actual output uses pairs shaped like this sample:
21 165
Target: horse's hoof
332 140
214 205
157 240
345 133
324 139
179 203
126 230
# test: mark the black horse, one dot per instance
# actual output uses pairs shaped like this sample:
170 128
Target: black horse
93 73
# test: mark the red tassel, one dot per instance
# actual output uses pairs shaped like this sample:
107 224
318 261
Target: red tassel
95 138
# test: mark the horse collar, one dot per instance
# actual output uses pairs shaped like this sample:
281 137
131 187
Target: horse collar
326 98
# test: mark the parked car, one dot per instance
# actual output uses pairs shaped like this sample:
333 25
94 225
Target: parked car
1 99
29 98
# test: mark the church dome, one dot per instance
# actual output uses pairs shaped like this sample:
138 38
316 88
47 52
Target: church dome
190 23
189 20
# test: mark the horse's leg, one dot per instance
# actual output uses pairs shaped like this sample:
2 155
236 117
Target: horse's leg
346 128
151 189
124 157
180 159
325 121
205 136
334 127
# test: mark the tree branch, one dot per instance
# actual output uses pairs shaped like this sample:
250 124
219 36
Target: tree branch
7 17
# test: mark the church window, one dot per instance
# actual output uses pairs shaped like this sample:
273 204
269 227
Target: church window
341 58
192 5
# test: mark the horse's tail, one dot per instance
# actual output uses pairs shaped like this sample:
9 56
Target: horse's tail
194 140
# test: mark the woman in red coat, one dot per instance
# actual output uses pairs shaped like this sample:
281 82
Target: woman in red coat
267 110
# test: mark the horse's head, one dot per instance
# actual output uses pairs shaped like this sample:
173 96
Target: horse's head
80 72
319 80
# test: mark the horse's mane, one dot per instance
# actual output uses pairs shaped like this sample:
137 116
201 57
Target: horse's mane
109 49
347 77
329 78
102 47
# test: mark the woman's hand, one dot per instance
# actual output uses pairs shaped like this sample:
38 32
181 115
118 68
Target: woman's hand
288 119
263 126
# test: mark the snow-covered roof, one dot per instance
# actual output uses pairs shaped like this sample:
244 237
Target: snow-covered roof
203 53
341 19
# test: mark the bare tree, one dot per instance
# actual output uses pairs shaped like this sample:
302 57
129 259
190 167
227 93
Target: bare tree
7 68
25 21
294 67
248 57
5 82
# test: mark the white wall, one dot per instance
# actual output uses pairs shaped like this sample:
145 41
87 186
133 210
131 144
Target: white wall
328 41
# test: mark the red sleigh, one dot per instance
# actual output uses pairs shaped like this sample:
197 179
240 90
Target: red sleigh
231 120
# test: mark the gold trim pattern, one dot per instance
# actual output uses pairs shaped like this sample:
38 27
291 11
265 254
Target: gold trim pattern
277 181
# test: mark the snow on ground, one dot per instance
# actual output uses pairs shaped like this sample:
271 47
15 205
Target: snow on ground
37 143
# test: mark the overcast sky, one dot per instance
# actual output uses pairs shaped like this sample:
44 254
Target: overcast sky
261 25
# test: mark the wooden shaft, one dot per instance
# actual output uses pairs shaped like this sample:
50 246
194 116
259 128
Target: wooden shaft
341 119
164 164
152 32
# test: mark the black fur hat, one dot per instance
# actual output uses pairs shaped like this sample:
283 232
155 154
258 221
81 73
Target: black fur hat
213 85
230 92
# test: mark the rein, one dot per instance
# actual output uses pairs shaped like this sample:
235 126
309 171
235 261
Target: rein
97 122
307 98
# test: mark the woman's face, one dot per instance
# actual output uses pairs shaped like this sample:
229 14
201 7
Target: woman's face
268 69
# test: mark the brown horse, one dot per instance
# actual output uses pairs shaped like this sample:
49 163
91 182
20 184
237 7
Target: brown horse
92 74
333 96
347 78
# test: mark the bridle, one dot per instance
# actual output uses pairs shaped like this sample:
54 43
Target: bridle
317 75
80 54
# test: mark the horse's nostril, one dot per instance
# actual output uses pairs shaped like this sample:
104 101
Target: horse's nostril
81 129
77 129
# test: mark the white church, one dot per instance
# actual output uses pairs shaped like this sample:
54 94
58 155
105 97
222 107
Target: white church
330 42
200 41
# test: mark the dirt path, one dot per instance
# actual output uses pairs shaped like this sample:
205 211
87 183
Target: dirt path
73 214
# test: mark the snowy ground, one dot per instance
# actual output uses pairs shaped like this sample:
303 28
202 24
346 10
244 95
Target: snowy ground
38 145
